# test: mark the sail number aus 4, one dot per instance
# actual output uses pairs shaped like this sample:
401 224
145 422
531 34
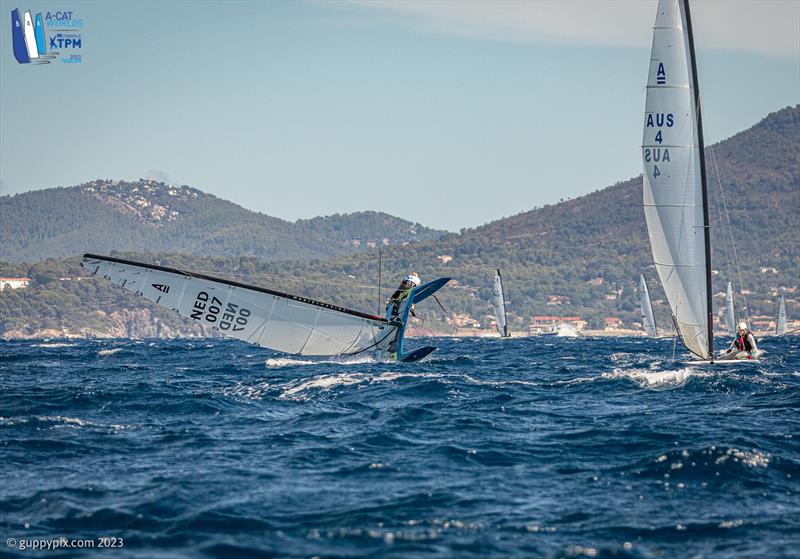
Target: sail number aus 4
209 308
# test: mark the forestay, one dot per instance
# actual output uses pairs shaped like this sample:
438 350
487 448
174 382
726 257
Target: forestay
270 319
648 319
500 305
673 199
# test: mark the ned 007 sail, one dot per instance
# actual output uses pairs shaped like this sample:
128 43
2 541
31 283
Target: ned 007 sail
674 177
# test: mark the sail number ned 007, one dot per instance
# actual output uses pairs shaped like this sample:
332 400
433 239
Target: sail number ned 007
209 308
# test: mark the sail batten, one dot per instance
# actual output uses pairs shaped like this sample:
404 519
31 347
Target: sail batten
674 197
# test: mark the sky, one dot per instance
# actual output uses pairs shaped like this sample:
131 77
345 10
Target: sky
451 114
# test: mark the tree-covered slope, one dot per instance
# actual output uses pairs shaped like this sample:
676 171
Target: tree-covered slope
147 216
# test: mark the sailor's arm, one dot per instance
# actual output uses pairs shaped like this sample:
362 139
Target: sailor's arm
753 345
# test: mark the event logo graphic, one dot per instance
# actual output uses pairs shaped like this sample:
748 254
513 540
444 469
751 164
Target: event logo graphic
32 45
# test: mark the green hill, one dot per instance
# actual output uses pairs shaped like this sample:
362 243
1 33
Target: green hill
153 217
580 257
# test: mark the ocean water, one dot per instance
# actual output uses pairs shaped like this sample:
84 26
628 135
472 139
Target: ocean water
490 448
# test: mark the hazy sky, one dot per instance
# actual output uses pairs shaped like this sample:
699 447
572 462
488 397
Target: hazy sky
447 113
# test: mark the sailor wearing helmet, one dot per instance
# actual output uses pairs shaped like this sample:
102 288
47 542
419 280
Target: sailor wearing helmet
744 344
401 293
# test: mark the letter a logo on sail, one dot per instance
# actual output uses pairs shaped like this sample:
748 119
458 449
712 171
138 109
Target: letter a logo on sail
661 74
161 287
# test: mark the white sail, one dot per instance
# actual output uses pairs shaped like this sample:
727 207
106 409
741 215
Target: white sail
730 314
780 328
500 306
267 318
673 200
648 319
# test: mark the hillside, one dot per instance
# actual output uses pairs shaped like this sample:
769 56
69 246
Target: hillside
580 257
148 216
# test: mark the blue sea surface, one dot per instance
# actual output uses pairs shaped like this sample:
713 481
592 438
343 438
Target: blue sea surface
528 447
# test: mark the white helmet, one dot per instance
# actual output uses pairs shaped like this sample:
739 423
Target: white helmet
742 326
413 278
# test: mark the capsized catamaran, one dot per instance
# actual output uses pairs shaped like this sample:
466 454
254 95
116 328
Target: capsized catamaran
730 313
648 318
499 301
264 317
675 192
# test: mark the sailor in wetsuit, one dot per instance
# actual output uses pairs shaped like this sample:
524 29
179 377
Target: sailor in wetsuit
744 344
393 303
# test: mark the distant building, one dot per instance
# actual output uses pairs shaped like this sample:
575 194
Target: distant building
541 324
464 320
445 258
14 283
612 323
596 281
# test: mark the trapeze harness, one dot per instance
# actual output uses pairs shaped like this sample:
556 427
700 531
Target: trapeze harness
743 342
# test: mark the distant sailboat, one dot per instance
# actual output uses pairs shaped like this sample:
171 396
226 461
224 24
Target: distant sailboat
648 318
780 327
730 314
498 298
675 191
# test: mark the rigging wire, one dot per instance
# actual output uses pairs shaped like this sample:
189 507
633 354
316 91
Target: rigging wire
730 232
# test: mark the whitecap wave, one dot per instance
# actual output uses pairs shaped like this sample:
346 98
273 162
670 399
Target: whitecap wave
647 378
326 382
53 344
105 352
278 362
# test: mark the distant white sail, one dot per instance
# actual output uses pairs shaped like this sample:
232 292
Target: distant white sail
259 316
499 301
730 314
674 174
648 319
780 328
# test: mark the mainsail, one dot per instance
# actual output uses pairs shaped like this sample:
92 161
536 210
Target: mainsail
730 314
780 328
260 316
675 199
648 318
500 306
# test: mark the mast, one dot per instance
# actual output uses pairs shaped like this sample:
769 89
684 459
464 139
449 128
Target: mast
704 185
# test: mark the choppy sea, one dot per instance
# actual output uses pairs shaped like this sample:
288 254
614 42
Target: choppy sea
490 448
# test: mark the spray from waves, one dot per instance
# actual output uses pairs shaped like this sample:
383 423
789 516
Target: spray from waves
657 380
53 344
279 362
299 389
106 352
327 382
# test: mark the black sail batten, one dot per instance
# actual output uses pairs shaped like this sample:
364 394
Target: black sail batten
703 182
